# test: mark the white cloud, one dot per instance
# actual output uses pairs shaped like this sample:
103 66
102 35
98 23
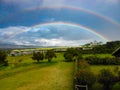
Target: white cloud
47 35
60 42
9 32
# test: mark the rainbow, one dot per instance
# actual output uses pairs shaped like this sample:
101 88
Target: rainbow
72 8
102 37
73 25
78 9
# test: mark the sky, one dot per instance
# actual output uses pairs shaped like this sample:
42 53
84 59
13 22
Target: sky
58 22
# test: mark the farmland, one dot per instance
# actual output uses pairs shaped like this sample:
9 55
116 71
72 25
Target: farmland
24 73
56 75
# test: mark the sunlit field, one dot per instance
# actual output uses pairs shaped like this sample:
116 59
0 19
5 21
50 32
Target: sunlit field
24 73
55 75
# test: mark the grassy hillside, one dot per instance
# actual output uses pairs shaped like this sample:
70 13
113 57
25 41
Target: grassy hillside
24 73
57 75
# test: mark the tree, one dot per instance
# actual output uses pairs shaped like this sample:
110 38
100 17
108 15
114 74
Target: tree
49 55
68 57
3 60
38 56
70 54
106 77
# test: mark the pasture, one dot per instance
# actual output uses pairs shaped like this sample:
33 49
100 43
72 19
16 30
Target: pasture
27 74
24 73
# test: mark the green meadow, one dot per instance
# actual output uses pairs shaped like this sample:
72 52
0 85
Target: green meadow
27 74
24 73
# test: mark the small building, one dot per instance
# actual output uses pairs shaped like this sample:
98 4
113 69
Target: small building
116 53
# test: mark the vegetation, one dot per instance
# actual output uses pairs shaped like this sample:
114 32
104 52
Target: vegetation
3 61
107 78
96 68
84 76
97 60
70 54
57 75
38 56
98 48
49 55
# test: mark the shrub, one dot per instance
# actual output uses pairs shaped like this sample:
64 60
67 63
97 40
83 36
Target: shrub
107 79
70 54
85 77
3 61
68 57
83 65
96 60
38 56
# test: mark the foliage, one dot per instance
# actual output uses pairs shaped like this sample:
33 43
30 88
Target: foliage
56 75
38 56
96 60
107 78
109 47
68 57
85 77
83 65
49 55
3 60
70 54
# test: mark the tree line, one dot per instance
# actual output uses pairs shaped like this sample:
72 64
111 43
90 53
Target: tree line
40 55
108 47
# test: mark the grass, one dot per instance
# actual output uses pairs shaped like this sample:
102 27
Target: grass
96 70
99 55
56 75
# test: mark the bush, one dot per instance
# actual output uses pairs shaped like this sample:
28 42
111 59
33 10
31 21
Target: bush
83 65
68 57
70 54
96 60
38 56
107 79
85 77
3 61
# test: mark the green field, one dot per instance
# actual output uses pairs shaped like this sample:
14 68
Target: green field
24 73
96 70
57 75
99 55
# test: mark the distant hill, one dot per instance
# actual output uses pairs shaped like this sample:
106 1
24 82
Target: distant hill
5 45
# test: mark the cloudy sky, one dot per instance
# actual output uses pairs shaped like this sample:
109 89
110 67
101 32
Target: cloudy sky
58 22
